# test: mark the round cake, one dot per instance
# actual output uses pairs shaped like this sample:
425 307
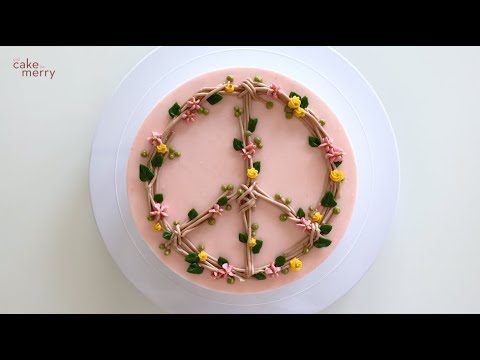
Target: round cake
241 180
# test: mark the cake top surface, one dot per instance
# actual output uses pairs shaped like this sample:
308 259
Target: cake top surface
247 179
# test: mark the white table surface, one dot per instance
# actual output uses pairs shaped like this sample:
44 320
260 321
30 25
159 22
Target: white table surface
53 260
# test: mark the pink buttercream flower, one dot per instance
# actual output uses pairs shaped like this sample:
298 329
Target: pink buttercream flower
188 116
216 210
332 153
273 90
248 151
305 223
326 142
272 269
155 138
193 104
226 269
159 212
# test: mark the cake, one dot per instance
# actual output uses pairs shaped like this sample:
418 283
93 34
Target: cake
241 180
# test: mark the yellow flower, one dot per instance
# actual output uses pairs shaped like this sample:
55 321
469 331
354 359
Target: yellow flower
162 148
294 102
202 256
317 217
252 242
299 112
296 264
229 87
336 175
252 173
157 227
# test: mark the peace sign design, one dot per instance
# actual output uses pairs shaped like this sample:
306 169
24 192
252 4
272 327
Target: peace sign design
315 223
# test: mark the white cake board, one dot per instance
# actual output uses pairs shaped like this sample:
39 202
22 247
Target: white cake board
330 76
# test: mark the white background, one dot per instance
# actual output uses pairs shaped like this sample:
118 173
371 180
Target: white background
52 258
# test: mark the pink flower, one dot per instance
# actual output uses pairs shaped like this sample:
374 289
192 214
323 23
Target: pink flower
273 90
155 138
272 269
226 269
326 142
159 212
188 116
193 104
333 154
216 210
248 151
305 223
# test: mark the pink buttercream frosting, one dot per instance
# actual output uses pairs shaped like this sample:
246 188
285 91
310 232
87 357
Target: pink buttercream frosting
208 161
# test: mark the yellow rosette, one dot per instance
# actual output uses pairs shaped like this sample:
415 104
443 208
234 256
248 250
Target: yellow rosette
296 264
336 175
317 217
252 173
294 102
299 112
162 148
202 256
229 87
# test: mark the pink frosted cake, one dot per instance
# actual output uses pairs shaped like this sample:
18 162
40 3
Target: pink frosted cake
241 180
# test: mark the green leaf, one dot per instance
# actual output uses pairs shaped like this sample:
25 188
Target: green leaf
329 200
222 260
167 235
260 276
192 214
195 269
321 242
157 160
252 125
337 163
257 165
237 144
300 213
280 261
242 237
222 201
325 229
314 141
304 102
174 110
257 247
192 258
215 98
158 198
145 173
293 93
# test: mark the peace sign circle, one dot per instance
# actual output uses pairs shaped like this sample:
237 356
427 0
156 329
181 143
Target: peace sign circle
314 222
